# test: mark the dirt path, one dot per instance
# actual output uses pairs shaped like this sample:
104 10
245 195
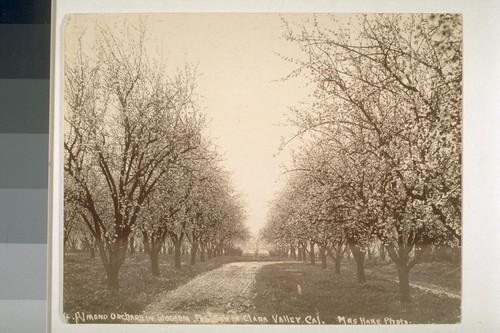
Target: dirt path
228 289
434 290
427 287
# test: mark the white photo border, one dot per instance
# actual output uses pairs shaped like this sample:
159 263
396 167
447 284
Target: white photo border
481 163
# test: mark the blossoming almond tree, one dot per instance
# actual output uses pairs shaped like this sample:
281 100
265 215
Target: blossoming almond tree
388 98
126 120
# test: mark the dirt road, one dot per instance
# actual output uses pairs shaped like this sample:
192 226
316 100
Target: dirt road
435 290
426 287
228 289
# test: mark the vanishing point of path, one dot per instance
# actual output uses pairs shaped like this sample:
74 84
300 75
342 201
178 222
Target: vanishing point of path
228 289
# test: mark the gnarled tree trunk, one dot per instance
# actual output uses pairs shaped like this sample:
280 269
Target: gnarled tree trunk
113 256
401 258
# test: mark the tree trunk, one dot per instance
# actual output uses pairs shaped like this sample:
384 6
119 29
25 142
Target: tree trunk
337 259
113 257
359 256
132 245
112 278
209 252
194 249
299 250
382 252
203 248
311 254
360 270
155 268
92 251
322 253
401 259
404 283
177 254
112 271
292 252
170 250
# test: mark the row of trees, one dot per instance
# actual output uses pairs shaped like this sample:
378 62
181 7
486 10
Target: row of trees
136 160
380 157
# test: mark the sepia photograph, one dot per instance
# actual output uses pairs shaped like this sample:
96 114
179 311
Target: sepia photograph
262 168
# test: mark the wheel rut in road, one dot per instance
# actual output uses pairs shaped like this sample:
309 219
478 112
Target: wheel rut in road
228 289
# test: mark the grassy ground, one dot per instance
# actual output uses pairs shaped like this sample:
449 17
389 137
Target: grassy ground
286 289
85 287
301 290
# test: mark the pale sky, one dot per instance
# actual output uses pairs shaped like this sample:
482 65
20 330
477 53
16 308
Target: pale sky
241 88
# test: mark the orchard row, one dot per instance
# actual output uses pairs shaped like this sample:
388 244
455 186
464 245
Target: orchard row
379 160
138 165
